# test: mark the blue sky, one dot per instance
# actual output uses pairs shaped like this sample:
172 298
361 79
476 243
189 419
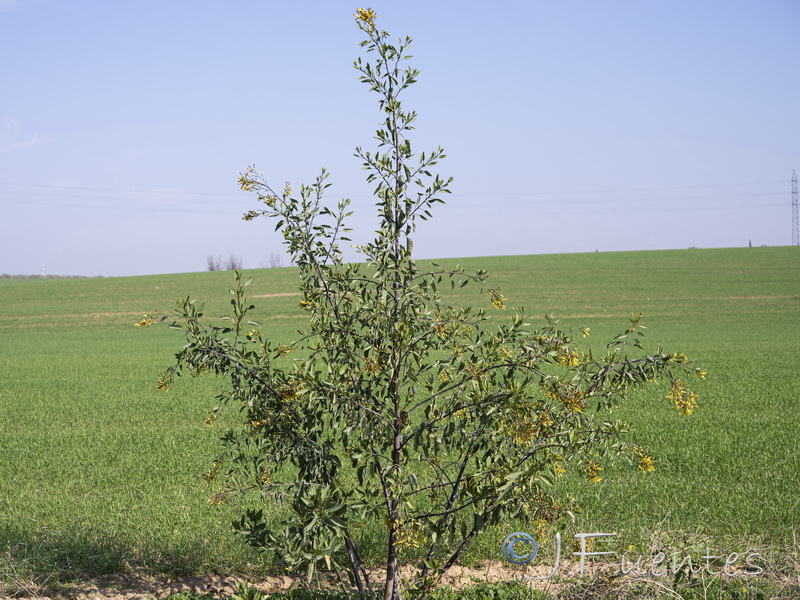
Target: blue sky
570 126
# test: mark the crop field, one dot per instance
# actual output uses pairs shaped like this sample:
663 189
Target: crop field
101 473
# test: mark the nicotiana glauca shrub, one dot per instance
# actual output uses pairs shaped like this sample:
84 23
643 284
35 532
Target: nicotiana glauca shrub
400 410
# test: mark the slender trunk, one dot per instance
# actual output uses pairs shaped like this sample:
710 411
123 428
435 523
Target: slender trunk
357 568
391 591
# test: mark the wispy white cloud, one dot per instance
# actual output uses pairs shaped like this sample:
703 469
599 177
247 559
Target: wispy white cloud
12 134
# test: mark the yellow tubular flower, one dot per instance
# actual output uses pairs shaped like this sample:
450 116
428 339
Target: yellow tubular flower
521 430
409 536
219 497
685 402
365 18
569 358
593 471
498 299
442 327
646 463
371 366
246 185
644 460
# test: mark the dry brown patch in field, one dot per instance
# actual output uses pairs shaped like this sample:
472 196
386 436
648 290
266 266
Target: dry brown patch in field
280 295
63 319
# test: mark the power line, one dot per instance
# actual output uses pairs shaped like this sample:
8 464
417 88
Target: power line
453 196
795 225
472 194
543 205
463 211
117 190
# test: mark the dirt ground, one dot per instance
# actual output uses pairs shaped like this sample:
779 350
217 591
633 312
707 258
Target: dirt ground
134 588
140 587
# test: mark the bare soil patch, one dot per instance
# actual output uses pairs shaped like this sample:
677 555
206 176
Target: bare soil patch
281 295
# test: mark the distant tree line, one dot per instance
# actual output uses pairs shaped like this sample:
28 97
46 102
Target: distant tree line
235 263
218 263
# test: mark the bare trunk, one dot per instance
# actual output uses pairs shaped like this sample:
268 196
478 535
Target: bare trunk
391 591
357 568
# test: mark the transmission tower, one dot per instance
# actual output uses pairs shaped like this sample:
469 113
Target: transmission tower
795 226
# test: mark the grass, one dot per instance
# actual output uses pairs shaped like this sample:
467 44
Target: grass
101 473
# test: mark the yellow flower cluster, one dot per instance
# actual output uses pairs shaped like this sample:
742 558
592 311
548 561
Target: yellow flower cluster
255 424
588 544
678 357
569 358
268 199
246 184
571 397
371 365
306 304
523 429
498 299
540 530
164 383
365 17
211 474
290 391
593 471
643 459
146 321
685 402
442 327
409 537
219 497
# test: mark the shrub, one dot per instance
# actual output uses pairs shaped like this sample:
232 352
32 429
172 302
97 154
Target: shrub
402 410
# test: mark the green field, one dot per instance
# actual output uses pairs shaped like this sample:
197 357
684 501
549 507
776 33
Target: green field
101 473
